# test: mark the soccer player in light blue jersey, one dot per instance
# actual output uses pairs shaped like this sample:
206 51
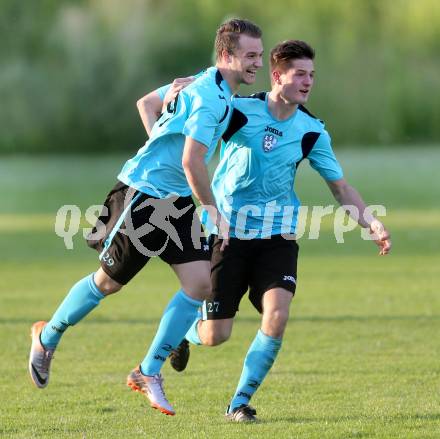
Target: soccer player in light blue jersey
269 135
150 212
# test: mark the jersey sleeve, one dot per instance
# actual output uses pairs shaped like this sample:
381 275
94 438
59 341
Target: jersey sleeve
203 118
323 159
162 91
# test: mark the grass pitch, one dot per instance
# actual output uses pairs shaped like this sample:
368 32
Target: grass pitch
359 358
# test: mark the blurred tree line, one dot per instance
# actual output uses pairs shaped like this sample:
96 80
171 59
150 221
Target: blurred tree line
71 71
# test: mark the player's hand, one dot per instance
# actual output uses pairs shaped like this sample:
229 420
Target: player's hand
177 85
225 243
216 218
381 237
223 231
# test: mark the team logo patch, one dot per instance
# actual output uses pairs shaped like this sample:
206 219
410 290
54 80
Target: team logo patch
269 142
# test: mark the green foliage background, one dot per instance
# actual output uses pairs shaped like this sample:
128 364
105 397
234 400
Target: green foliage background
71 71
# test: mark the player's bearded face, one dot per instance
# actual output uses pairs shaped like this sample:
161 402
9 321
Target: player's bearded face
296 83
247 59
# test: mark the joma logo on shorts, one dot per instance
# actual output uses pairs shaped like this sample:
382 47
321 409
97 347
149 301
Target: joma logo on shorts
289 279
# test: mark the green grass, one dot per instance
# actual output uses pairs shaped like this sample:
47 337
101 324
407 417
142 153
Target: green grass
359 358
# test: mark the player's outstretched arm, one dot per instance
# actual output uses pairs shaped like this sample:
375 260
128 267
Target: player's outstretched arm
347 195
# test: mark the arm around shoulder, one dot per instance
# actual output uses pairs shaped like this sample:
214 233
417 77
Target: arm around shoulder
149 107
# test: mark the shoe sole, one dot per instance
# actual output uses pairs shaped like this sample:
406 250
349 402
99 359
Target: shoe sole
242 421
34 378
155 406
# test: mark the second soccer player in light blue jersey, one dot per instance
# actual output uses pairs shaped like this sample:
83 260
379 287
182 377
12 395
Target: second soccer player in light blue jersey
269 135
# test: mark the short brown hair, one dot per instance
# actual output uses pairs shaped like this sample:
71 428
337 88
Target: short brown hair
283 53
229 33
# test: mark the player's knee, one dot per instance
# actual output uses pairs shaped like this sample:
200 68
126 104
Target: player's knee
276 322
105 283
279 317
199 289
108 286
110 289
214 338
204 288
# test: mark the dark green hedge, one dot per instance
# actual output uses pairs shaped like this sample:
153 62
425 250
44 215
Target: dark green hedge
71 71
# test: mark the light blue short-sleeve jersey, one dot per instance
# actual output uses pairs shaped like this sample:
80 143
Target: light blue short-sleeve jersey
200 111
254 182
162 91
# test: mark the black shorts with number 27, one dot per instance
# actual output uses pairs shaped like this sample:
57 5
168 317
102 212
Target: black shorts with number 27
257 265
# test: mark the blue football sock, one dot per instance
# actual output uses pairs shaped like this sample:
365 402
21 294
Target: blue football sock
258 361
82 298
193 334
176 320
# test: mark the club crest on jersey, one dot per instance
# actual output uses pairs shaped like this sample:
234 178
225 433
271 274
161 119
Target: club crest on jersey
269 142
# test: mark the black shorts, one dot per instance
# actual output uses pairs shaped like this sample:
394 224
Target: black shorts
134 226
257 264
